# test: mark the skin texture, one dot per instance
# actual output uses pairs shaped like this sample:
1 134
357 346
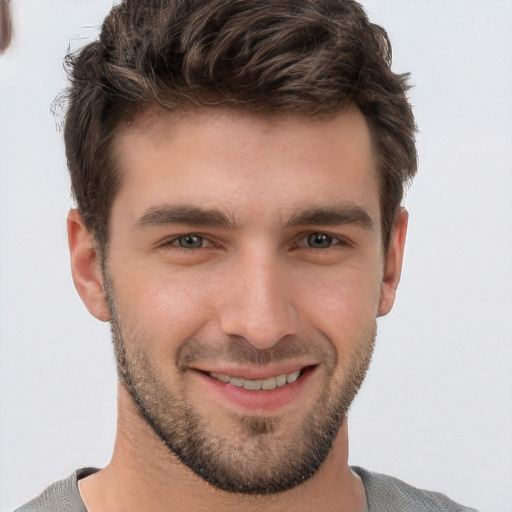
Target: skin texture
249 246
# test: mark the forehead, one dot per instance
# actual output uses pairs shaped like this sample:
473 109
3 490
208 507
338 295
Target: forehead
246 163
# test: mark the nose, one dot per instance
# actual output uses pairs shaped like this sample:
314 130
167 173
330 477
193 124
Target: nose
256 301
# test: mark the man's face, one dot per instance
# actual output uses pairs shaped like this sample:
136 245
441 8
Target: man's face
244 277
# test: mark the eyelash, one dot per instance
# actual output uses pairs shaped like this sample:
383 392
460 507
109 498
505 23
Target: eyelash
171 243
302 242
336 241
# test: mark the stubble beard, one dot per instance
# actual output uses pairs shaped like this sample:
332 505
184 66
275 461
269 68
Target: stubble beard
264 455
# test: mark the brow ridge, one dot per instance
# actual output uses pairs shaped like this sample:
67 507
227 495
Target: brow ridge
333 216
184 214
212 217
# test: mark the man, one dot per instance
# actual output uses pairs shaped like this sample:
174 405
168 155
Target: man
238 169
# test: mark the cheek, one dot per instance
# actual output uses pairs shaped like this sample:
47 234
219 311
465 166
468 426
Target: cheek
161 310
340 303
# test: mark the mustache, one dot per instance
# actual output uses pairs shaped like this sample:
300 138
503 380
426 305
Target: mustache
239 351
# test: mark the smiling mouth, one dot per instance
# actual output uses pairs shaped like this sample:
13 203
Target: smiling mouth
268 384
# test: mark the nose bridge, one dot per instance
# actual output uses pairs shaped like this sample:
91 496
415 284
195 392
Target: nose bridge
257 302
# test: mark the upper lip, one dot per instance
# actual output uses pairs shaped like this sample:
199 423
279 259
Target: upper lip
253 372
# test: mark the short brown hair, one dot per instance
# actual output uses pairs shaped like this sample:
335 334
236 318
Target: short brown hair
309 57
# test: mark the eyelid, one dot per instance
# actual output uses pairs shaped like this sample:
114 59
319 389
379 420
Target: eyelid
340 241
172 241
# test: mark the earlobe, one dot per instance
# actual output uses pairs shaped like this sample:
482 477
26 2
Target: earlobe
393 263
85 267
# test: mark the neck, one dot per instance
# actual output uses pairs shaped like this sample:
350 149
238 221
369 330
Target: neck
144 475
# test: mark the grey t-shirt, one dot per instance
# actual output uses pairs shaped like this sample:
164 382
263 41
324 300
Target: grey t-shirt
384 494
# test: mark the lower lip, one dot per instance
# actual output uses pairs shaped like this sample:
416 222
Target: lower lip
267 401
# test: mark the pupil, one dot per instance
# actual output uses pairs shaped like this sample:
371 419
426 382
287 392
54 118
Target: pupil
191 242
320 240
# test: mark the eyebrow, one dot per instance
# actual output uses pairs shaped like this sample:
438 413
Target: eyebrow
333 216
212 217
185 214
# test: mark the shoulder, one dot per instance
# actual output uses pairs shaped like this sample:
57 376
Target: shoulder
60 496
385 493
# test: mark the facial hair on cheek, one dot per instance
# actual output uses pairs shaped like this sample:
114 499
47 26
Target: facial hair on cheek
265 454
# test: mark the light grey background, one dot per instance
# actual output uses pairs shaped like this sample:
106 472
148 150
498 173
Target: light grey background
436 410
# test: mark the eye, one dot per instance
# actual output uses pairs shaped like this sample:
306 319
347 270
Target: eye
321 240
189 241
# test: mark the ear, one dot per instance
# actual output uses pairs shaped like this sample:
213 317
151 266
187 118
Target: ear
393 263
86 268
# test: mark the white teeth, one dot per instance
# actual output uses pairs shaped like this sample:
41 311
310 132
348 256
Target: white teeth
236 381
280 381
252 385
292 377
268 384
257 384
